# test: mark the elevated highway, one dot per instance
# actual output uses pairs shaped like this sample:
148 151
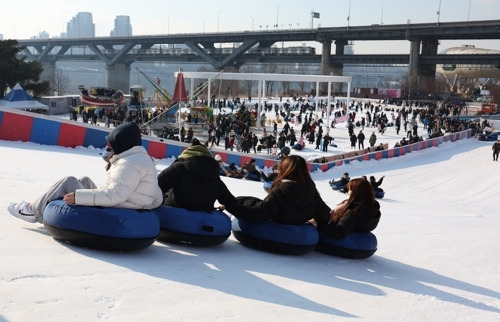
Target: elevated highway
118 53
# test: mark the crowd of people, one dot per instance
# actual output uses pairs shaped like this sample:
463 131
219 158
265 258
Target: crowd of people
132 180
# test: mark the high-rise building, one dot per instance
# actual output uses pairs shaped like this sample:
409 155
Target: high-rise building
81 26
123 28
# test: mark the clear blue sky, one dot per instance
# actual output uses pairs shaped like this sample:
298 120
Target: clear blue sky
26 18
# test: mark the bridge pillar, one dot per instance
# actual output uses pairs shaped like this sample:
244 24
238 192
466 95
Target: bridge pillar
118 76
413 67
326 51
49 73
428 72
338 68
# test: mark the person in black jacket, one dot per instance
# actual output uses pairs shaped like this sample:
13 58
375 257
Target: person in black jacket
193 181
293 198
376 184
359 213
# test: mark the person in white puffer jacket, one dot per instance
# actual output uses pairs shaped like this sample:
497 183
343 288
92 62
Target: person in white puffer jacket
131 180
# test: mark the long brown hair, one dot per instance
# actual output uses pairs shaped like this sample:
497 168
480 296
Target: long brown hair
293 167
361 192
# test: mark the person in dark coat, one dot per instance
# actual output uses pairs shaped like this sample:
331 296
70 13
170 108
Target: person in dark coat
342 182
361 140
353 140
376 184
193 181
496 150
293 198
359 213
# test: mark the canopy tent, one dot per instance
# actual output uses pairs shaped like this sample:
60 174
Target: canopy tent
18 98
180 89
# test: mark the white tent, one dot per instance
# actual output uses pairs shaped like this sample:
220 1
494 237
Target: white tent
18 98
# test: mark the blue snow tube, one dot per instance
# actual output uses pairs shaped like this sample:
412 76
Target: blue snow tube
196 228
111 229
379 194
267 185
336 185
252 176
355 245
276 238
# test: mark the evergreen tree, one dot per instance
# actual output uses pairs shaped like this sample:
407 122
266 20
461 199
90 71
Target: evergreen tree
17 70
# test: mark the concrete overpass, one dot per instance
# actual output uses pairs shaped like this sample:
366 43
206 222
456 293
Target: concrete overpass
118 53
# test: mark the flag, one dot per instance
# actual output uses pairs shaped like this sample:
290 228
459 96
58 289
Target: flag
315 14
342 118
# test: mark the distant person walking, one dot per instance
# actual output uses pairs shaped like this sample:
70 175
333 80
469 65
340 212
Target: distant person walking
361 140
496 150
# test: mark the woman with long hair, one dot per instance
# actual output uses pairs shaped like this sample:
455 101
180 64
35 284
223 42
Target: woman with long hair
359 213
292 199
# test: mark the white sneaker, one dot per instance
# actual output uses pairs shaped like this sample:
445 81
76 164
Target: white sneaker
21 210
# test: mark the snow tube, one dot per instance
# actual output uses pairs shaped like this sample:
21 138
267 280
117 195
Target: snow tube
336 185
355 246
196 228
251 176
276 238
379 194
111 229
267 185
297 146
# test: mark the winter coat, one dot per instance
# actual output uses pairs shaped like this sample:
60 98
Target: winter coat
353 139
131 182
289 203
354 220
376 184
496 147
373 139
193 181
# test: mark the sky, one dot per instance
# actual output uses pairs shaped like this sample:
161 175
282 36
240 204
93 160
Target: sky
437 257
163 17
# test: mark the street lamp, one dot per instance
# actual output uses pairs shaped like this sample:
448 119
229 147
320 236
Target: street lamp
168 24
349 14
382 16
203 19
277 15
468 13
439 11
218 20
252 22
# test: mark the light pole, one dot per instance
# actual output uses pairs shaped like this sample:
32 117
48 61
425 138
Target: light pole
203 20
349 14
382 16
252 22
168 24
468 13
218 20
277 15
439 11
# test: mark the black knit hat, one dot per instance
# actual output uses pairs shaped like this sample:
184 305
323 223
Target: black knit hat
124 137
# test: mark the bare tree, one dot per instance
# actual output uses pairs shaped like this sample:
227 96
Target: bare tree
248 84
302 70
285 85
270 69
61 83
495 93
